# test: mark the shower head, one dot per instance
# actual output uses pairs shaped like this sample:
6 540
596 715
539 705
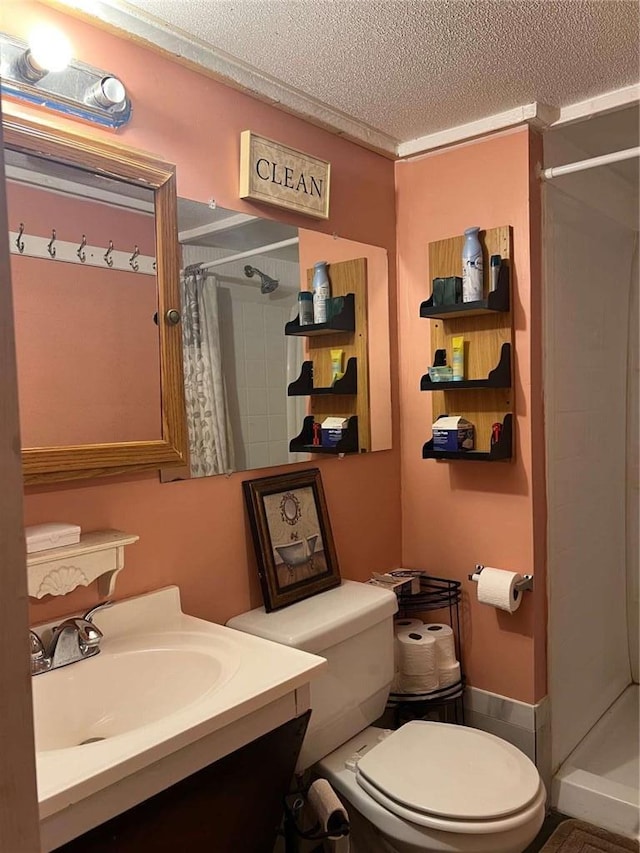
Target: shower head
267 284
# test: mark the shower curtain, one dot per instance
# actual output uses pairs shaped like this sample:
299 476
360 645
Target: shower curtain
210 444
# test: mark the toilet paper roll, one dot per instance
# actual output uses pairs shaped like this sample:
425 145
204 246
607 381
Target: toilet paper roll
417 662
330 812
401 626
449 674
445 642
497 588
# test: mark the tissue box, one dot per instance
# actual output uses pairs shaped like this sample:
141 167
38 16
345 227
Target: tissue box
453 433
41 537
332 430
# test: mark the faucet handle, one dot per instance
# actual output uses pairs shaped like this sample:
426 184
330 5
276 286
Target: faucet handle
36 645
39 660
88 616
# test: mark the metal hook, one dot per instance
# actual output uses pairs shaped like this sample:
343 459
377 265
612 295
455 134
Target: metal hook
132 260
107 255
19 240
80 250
50 247
154 266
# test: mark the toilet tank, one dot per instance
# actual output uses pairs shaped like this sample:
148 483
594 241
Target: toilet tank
352 627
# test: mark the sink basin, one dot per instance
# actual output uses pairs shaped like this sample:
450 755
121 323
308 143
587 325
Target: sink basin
130 684
167 695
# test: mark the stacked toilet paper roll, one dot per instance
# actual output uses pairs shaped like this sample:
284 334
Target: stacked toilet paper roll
497 587
418 664
448 666
401 626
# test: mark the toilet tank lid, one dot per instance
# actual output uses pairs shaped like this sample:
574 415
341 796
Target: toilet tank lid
322 621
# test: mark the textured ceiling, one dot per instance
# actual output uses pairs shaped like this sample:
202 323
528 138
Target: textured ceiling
410 68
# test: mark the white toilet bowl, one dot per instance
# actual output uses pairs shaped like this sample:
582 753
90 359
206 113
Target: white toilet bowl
436 788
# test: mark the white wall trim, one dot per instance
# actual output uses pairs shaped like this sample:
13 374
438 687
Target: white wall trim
234 72
537 115
598 105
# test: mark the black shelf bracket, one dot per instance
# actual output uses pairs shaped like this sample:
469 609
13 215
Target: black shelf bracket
499 377
303 385
501 451
497 300
303 443
342 318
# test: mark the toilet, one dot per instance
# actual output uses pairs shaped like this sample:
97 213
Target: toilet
427 787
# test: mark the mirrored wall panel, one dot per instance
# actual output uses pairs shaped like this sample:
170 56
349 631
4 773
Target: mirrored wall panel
256 382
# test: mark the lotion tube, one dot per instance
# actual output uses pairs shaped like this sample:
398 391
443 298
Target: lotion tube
337 356
458 358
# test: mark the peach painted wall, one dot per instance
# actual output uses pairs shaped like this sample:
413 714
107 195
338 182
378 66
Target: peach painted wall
91 374
314 247
194 533
455 515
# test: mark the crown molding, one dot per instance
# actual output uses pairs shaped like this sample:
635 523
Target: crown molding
120 17
537 115
599 105
123 18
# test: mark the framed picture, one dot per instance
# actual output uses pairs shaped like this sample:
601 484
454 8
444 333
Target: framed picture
292 537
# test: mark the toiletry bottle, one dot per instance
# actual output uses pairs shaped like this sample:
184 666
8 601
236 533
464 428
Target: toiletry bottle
472 278
458 358
305 308
321 292
494 269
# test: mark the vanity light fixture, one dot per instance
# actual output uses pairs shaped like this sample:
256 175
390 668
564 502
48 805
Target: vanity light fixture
43 72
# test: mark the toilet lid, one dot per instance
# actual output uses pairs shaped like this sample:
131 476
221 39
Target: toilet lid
450 772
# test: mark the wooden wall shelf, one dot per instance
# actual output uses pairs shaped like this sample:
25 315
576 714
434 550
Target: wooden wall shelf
501 451
485 395
496 301
499 377
342 319
303 385
303 443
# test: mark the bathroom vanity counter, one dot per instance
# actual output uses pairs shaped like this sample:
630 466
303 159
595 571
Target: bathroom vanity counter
167 696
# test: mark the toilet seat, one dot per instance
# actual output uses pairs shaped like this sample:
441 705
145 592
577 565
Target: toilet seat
451 778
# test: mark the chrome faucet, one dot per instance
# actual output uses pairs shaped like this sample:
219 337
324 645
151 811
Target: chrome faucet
74 639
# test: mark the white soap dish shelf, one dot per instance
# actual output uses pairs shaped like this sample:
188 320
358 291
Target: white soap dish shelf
98 556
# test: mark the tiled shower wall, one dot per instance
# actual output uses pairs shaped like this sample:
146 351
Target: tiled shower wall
589 259
254 354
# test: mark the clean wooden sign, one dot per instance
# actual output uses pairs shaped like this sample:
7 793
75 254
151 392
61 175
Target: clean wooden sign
275 174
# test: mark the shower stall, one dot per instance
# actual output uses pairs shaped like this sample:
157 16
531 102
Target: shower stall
591 413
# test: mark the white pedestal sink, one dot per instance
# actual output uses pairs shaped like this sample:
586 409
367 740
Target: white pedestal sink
167 695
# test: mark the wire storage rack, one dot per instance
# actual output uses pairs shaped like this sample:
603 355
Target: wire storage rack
445 703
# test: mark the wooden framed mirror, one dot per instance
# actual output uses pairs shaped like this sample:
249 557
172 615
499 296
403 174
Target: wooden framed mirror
128 174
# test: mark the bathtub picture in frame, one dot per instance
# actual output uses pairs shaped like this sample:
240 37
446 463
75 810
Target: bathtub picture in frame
292 537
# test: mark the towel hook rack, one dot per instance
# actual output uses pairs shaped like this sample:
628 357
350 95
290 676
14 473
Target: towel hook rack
51 244
135 266
19 240
80 252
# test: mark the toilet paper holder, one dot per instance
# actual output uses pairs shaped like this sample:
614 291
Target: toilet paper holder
522 586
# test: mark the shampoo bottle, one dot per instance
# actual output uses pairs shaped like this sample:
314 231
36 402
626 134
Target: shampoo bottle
321 292
472 272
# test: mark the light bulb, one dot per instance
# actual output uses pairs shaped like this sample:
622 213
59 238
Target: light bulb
107 92
49 48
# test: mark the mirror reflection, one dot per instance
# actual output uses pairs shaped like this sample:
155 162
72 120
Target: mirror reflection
85 294
240 282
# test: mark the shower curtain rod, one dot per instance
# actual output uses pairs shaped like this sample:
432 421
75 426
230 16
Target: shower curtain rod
259 250
581 165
